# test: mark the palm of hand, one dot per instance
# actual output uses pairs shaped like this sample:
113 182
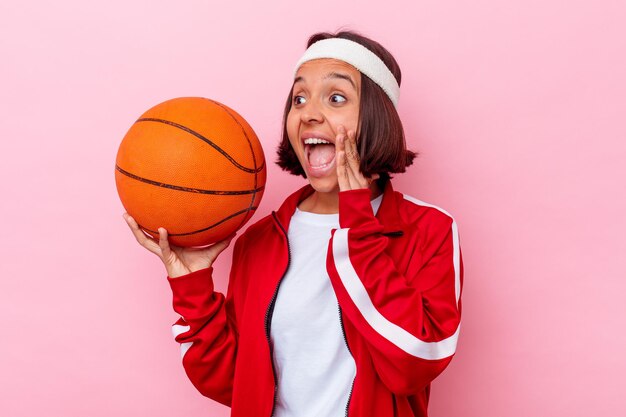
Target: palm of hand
191 259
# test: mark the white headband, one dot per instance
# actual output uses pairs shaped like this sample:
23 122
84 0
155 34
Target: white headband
355 54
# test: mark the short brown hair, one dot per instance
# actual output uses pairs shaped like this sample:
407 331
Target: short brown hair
380 137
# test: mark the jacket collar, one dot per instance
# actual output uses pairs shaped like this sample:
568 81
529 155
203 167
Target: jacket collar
388 213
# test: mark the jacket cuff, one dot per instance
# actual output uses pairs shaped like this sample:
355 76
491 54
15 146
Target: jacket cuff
193 284
355 208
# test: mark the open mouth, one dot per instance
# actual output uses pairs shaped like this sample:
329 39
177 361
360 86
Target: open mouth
320 153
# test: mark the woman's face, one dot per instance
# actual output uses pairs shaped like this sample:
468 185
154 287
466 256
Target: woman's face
326 94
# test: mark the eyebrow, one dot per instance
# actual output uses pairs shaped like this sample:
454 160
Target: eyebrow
340 76
331 75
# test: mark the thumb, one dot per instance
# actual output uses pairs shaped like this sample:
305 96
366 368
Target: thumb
164 244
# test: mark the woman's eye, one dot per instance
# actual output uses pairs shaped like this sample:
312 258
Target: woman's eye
337 98
298 100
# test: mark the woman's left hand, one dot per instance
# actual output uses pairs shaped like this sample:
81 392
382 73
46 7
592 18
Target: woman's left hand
348 162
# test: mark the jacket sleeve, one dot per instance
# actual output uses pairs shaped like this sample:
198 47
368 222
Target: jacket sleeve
206 331
408 320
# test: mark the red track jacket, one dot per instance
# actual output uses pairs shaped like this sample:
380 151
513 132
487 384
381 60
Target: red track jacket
397 277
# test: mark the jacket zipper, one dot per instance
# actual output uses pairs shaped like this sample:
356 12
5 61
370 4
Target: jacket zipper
345 339
270 312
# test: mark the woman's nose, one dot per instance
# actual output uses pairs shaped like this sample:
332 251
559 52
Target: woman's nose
312 114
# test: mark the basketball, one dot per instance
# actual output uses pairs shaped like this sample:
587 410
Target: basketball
193 166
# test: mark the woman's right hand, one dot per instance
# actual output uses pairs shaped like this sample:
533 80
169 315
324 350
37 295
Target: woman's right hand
178 261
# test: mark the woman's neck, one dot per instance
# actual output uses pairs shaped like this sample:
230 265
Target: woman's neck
328 203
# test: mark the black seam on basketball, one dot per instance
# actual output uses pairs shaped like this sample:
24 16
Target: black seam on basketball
204 229
186 189
252 197
208 141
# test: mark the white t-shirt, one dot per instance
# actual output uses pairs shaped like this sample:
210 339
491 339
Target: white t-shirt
313 365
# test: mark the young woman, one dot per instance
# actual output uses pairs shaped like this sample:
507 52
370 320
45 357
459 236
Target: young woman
346 300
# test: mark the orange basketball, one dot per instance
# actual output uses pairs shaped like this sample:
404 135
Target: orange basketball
193 166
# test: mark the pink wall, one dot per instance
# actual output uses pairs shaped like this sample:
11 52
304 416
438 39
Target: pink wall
518 109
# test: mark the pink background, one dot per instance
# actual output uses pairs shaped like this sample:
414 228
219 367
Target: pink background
518 109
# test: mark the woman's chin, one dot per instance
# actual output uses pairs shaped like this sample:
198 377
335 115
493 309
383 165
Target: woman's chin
327 184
